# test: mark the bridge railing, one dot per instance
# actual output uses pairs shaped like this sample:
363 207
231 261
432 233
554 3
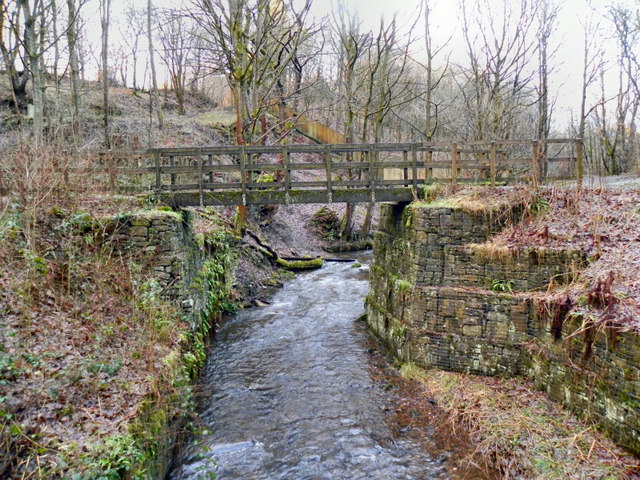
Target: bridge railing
354 172
327 173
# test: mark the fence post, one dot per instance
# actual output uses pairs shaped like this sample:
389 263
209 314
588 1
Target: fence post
287 173
414 168
158 175
579 167
372 183
454 163
492 163
172 163
534 164
200 180
210 164
405 170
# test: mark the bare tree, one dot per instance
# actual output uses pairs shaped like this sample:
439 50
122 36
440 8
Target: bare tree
253 42
498 80
547 17
627 27
350 46
178 39
32 11
387 85
12 46
433 77
136 21
155 101
592 63
105 14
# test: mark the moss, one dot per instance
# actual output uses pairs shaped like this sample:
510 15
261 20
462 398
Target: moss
200 239
310 264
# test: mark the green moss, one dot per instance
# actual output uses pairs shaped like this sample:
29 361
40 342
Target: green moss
164 208
266 178
200 239
403 285
310 264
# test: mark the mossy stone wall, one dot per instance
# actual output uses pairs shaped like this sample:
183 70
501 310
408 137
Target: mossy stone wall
431 302
164 245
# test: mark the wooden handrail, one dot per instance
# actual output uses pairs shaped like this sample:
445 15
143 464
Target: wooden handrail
378 169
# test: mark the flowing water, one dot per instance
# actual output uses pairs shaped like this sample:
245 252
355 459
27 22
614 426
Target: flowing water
288 395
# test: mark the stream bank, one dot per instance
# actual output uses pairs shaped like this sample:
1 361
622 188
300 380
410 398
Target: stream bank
444 296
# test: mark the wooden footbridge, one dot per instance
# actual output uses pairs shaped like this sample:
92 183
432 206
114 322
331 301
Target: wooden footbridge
290 174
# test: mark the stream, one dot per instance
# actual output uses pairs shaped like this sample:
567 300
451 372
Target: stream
287 393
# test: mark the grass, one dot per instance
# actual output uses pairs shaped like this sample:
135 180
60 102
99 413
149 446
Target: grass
520 431
215 117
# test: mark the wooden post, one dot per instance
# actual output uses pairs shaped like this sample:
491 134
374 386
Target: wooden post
201 180
405 170
172 163
327 162
492 163
287 173
428 172
414 169
210 164
158 173
579 167
454 163
372 178
535 168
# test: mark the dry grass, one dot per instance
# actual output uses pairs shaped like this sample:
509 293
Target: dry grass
82 342
520 431
476 199
604 226
491 251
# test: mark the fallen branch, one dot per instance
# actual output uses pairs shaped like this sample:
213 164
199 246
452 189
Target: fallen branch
290 263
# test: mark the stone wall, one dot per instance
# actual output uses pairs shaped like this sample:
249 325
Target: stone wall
431 301
164 245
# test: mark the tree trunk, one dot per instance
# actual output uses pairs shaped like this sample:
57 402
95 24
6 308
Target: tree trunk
105 10
33 56
155 101
74 69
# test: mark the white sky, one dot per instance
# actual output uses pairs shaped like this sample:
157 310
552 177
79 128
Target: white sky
565 80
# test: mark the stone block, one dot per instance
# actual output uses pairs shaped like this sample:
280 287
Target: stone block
140 222
138 231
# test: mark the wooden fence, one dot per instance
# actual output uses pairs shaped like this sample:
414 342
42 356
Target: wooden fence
276 174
